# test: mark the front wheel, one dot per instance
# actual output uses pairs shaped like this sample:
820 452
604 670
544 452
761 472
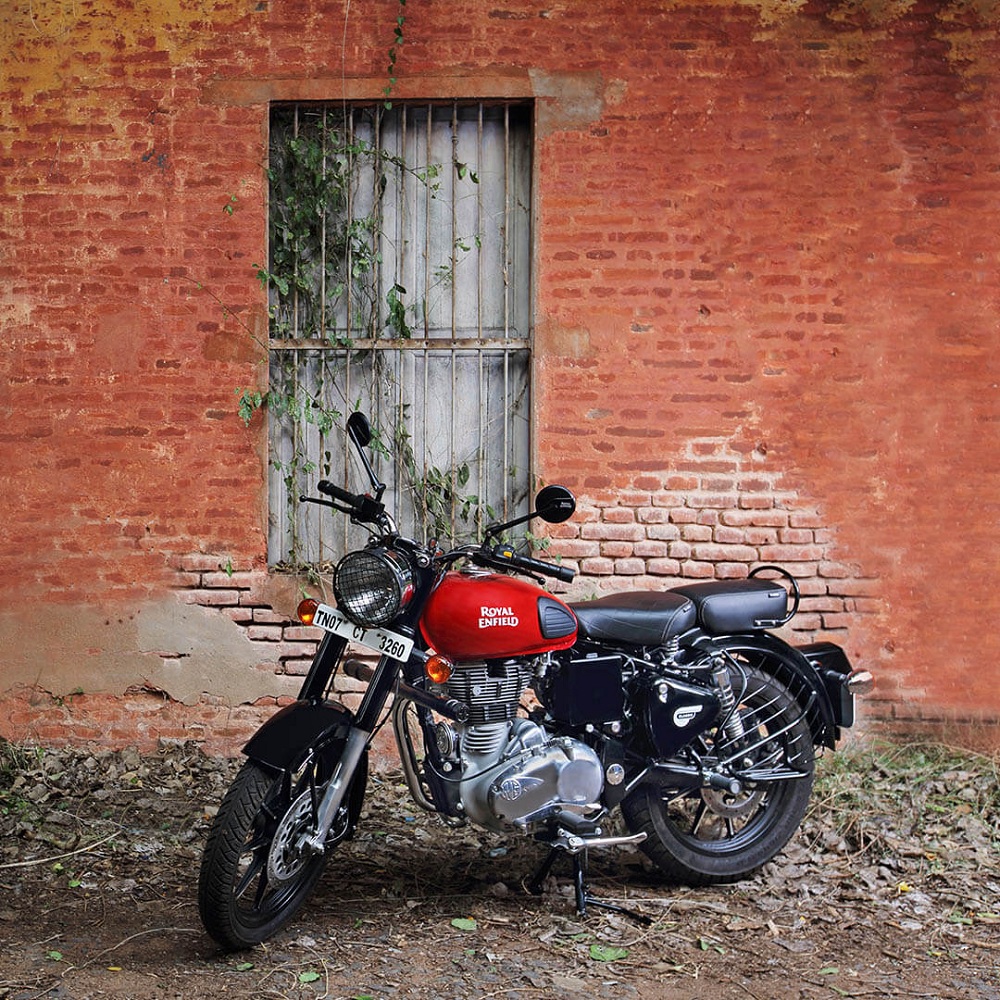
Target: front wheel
707 836
254 874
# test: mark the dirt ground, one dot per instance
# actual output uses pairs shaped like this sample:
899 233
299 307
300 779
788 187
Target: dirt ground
891 889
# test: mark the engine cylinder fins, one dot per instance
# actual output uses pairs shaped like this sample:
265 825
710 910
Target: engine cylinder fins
485 740
492 691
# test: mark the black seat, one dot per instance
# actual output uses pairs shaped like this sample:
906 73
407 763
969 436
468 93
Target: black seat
639 618
726 606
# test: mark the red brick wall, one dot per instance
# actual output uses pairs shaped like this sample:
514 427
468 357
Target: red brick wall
767 297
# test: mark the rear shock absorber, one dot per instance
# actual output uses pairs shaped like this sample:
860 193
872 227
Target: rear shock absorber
732 722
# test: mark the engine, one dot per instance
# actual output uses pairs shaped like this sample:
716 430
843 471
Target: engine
514 773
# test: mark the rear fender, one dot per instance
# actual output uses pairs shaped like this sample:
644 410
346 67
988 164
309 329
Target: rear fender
793 669
833 666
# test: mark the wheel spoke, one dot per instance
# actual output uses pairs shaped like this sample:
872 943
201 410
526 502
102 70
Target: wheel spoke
260 840
699 815
255 867
262 887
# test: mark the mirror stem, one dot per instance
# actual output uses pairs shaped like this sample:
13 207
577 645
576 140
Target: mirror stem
379 487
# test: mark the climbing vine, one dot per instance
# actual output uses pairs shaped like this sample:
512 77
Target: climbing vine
397 41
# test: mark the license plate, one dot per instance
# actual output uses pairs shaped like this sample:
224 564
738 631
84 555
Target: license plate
391 644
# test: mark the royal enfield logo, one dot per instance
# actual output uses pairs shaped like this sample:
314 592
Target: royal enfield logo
510 789
498 618
684 715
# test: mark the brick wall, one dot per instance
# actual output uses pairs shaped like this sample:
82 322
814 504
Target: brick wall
766 301
716 515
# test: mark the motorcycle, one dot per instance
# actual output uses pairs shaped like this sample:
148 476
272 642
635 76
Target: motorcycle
675 715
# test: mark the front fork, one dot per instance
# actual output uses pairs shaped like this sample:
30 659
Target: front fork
336 789
359 733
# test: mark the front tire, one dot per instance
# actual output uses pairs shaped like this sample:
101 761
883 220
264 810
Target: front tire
707 836
254 878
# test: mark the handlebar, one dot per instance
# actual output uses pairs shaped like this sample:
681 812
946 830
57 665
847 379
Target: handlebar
503 555
344 496
366 509
362 508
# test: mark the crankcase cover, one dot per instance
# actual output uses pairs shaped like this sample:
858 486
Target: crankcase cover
565 774
484 616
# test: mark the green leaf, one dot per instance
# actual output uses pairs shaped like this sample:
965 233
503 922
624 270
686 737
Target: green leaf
705 944
464 923
607 953
309 977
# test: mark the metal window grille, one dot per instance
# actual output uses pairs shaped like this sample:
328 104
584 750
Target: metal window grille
399 283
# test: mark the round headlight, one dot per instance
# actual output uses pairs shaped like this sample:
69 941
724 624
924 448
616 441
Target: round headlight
372 586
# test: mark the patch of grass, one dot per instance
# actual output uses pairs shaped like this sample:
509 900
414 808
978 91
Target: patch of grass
878 794
14 760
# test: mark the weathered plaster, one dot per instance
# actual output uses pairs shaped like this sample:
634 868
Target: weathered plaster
181 649
567 100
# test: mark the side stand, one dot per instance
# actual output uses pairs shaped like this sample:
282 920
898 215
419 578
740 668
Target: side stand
583 896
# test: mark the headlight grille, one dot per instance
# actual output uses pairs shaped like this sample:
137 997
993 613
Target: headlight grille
372 586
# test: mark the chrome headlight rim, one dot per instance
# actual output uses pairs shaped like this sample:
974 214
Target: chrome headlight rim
372 586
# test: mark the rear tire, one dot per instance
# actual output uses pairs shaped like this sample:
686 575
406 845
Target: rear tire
706 836
253 876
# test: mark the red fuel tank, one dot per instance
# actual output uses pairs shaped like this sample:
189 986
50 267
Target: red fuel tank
485 616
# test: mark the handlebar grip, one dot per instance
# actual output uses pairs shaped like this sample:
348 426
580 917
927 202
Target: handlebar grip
563 573
344 496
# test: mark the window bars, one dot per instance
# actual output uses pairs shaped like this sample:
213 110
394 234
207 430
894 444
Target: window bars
399 283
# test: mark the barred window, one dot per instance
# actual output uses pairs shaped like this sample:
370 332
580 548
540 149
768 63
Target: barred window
399 280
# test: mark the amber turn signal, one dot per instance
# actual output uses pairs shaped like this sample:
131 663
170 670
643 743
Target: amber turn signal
307 610
438 668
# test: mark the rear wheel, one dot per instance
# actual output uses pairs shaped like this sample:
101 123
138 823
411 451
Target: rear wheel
254 874
707 835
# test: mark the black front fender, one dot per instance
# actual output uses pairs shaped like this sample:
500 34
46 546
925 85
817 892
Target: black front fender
791 667
315 732
297 730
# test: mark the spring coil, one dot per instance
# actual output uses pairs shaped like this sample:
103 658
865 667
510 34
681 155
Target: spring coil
732 721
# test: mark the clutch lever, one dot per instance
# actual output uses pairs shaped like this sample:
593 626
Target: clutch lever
325 503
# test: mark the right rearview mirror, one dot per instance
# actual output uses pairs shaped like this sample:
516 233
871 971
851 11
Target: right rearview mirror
555 504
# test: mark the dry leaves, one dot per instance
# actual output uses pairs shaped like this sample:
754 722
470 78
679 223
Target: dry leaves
891 888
